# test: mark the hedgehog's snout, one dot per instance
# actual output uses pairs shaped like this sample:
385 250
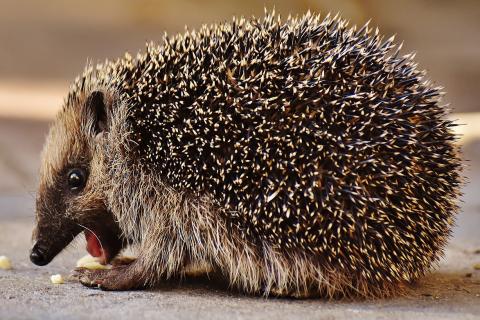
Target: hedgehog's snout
51 237
38 255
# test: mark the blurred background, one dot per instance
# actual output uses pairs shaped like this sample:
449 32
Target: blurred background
45 44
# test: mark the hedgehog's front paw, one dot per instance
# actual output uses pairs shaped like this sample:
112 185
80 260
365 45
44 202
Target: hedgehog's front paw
124 277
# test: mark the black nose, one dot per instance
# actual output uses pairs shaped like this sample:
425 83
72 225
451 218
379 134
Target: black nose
38 257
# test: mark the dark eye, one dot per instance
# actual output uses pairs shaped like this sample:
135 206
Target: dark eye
76 179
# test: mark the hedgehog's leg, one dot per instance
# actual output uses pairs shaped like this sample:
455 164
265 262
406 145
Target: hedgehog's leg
159 257
120 277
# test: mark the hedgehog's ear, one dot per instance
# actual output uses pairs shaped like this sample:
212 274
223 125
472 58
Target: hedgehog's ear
97 108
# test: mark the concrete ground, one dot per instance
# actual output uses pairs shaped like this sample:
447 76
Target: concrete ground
45 43
452 291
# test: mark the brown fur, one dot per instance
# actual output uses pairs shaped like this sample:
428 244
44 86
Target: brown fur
355 239
170 228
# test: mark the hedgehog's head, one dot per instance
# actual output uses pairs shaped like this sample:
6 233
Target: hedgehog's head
71 196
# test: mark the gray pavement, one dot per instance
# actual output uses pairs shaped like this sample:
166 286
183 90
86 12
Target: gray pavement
452 291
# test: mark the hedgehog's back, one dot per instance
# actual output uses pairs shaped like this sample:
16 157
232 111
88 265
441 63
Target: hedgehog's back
310 137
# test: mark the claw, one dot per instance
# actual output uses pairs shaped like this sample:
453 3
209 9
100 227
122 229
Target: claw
122 277
89 278
89 283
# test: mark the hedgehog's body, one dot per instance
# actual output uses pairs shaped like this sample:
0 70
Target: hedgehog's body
297 158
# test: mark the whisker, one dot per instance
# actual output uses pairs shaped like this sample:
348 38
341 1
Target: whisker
93 234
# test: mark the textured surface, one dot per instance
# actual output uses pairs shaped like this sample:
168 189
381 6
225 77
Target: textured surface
26 291
53 40
309 134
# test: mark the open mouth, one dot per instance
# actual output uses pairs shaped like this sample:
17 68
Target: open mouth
103 242
103 235
95 248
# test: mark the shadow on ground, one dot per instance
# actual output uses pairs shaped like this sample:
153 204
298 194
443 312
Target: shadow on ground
452 291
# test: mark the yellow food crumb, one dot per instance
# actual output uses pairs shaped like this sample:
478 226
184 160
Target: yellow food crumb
85 259
5 263
56 279
95 266
90 262
476 266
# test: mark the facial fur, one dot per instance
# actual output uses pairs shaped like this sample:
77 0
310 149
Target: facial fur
62 211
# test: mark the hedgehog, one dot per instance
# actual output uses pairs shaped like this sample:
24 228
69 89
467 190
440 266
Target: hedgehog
296 157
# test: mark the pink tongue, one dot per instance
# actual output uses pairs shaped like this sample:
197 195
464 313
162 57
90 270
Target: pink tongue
93 246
